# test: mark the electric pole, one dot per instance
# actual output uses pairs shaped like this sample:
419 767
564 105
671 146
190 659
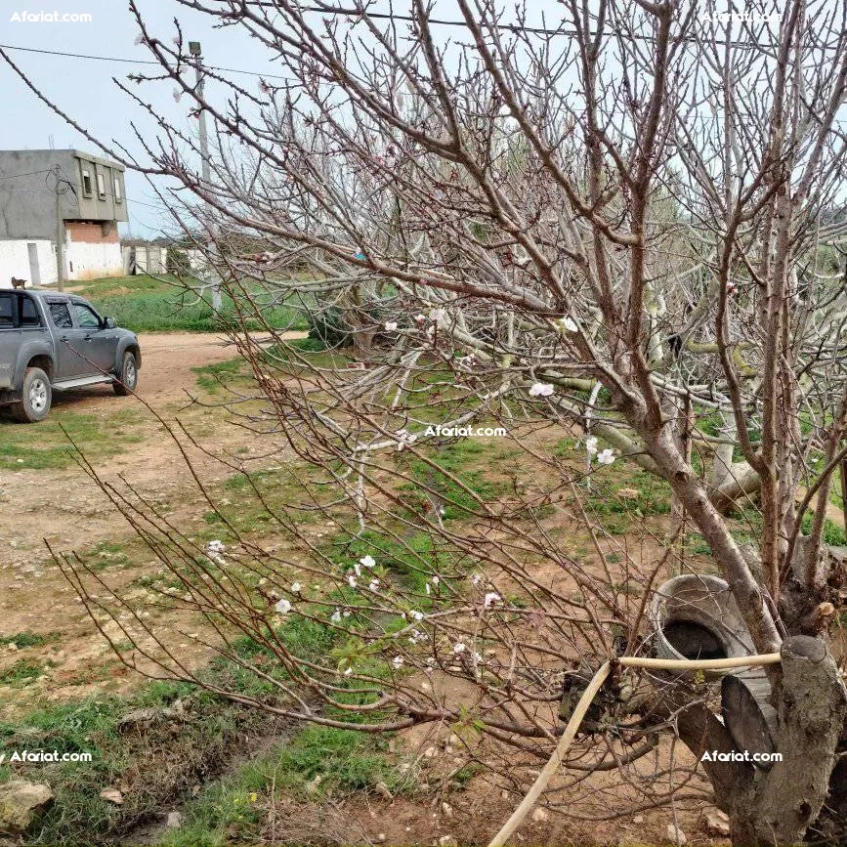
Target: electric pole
60 233
195 49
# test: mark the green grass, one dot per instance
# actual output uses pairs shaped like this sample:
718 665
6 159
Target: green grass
144 304
233 809
214 377
28 639
153 763
47 445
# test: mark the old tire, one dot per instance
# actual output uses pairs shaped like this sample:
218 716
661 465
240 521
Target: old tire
128 376
36 397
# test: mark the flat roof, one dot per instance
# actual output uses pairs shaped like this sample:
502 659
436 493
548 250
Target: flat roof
80 154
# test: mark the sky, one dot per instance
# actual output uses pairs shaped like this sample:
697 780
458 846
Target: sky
84 88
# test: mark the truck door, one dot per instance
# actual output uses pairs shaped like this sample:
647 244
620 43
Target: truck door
9 340
100 343
71 346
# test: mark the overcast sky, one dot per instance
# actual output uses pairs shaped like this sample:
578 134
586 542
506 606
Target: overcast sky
84 88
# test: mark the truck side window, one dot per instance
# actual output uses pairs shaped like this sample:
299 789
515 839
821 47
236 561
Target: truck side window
61 316
7 310
29 314
85 317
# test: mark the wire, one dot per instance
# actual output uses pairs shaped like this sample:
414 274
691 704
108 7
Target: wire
30 173
135 61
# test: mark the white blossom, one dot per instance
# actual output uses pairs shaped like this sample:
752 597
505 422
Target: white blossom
476 579
459 647
374 585
419 319
591 445
606 457
296 587
351 581
437 315
568 324
405 438
541 389
348 671
416 615
390 326
367 562
336 616
491 599
215 546
397 661
282 607
428 588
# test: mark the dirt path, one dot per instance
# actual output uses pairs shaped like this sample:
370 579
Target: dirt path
66 509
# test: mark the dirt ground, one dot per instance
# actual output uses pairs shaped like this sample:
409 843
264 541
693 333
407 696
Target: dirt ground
65 509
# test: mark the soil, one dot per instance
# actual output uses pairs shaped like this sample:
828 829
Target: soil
65 509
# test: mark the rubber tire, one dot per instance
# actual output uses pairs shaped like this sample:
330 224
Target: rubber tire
28 410
128 378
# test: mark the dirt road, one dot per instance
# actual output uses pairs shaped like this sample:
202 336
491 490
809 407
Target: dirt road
64 508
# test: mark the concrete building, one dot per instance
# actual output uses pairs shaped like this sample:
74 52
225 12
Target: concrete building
47 195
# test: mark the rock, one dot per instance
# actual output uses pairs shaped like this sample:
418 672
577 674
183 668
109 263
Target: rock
638 819
113 796
430 752
676 835
20 803
447 809
715 823
539 815
447 841
381 838
383 790
174 820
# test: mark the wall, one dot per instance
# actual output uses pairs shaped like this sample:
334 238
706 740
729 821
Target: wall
14 261
92 251
28 191
145 259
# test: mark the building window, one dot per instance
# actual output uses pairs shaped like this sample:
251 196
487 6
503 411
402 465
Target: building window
86 182
101 185
119 195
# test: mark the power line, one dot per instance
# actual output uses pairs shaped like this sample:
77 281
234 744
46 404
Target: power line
515 28
124 61
30 173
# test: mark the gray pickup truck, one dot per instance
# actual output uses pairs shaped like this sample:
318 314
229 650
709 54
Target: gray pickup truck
57 342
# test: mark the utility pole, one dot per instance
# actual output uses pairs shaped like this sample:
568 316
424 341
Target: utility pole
60 233
195 49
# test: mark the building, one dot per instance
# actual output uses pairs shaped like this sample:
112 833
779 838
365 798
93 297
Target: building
65 194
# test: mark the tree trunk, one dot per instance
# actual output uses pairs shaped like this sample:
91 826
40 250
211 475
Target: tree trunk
788 798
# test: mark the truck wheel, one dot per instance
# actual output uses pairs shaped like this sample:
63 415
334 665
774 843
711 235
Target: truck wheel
128 375
37 397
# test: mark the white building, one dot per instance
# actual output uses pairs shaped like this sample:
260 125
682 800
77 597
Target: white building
47 194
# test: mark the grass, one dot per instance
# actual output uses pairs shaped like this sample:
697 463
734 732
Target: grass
234 808
153 764
49 445
145 304
23 672
29 639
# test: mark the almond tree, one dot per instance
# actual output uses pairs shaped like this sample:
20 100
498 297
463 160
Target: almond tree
622 226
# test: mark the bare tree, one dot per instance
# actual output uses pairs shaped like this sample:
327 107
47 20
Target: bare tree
625 226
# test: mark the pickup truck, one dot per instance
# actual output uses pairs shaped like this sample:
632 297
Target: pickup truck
51 341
